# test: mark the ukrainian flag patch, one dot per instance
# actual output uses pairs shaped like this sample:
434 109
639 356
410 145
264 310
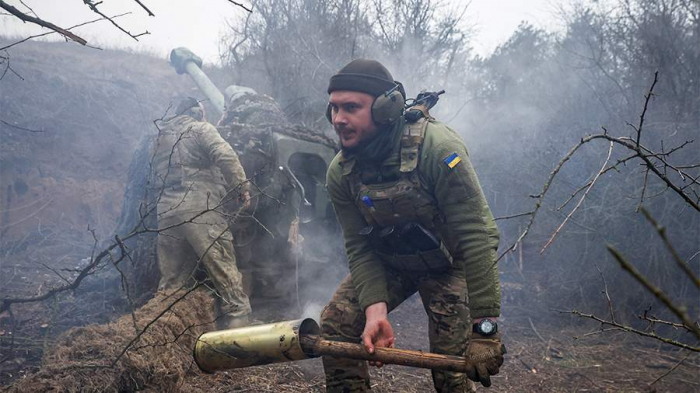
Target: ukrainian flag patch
452 160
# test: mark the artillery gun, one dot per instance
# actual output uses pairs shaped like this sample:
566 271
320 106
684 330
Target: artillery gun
286 165
284 245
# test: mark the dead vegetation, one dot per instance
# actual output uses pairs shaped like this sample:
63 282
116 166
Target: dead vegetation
89 358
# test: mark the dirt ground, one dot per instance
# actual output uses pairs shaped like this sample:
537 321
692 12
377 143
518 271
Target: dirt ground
542 357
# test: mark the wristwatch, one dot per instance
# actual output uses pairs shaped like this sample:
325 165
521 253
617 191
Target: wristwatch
486 327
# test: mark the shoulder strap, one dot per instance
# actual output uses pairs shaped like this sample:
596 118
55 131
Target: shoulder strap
411 142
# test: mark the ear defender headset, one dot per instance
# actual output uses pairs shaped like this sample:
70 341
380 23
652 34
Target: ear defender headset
386 108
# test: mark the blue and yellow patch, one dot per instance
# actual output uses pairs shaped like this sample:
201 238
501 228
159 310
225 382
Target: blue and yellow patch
452 160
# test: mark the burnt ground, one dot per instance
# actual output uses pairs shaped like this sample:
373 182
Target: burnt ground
542 356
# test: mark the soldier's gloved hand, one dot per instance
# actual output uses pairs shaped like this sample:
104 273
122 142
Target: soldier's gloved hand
485 353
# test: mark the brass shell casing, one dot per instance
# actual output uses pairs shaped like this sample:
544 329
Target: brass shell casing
253 345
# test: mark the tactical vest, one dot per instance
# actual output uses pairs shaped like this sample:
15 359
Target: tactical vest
392 209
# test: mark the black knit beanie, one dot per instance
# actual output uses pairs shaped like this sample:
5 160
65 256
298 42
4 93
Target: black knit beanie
366 76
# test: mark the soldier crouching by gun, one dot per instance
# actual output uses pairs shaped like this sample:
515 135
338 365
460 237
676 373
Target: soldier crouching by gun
414 219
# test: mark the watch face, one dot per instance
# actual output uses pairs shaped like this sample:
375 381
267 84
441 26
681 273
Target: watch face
486 326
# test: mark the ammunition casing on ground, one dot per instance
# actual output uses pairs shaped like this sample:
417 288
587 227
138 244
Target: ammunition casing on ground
253 345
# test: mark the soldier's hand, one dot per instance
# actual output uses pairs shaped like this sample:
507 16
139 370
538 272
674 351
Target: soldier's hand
244 198
378 331
485 353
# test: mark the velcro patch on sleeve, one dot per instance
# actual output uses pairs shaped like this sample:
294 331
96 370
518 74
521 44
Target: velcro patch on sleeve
452 160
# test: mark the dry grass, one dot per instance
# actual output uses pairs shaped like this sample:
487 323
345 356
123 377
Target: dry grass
81 358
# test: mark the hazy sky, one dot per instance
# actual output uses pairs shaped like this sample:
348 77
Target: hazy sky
198 24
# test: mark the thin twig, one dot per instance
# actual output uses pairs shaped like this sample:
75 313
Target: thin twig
607 294
240 5
532 325
580 201
644 189
124 281
647 97
676 257
93 6
680 312
144 7
618 326
513 216
40 22
69 28
20 128
669 371
149 324
6 60
585 186
654 320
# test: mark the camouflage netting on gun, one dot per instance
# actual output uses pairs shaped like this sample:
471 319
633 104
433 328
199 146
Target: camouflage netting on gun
253 109
239 131
81 358
260 113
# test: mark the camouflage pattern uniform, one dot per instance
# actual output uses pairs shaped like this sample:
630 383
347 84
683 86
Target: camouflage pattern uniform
193 168
427 178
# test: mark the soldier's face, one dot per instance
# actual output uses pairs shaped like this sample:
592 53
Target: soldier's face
351 115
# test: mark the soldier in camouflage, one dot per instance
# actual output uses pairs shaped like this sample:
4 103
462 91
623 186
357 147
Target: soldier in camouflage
195 174
414 219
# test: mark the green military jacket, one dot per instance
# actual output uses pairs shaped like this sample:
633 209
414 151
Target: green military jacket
193 167
468 229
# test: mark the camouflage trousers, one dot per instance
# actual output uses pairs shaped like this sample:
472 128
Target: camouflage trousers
205 246
445 301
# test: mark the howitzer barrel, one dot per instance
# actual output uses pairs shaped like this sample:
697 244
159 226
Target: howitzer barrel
185 61
298 340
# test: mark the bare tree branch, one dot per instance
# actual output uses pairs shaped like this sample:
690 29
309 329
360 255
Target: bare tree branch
653 320
40 22
669 371
621 327
154 320
585 186
6 60
607 294
647 156
647 97
513 216
240 5
580 201
680 311
93 6
19 127
679 261
29 8
70 28
144 7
